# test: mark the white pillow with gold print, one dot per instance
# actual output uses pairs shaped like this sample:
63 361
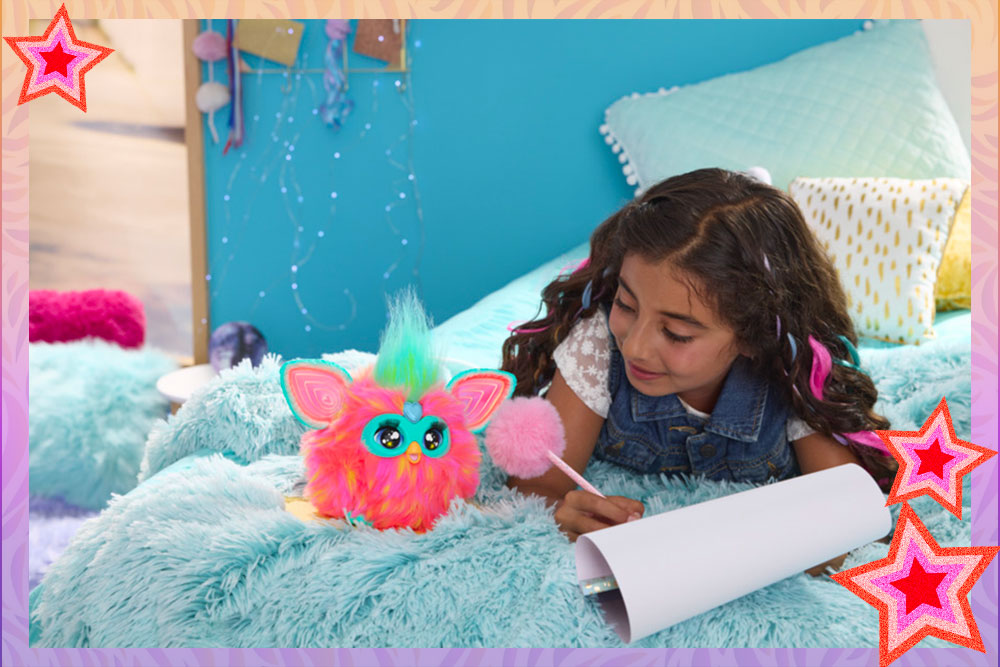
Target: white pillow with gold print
886 236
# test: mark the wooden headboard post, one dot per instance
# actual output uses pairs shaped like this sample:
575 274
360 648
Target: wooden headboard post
194 138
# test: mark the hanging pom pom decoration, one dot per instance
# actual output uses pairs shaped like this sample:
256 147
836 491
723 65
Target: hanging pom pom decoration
336 106
211 96
235 88
209 46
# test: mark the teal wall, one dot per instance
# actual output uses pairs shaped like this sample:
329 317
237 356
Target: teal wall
508 167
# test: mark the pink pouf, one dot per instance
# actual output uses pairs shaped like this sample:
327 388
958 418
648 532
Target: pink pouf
522 433
59 317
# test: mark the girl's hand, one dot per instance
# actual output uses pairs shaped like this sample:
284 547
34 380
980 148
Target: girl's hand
582 512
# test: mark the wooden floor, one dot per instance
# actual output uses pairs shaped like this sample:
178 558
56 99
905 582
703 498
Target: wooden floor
108 203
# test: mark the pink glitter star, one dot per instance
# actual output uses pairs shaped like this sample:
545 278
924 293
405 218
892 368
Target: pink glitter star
933 461
57 61
920 589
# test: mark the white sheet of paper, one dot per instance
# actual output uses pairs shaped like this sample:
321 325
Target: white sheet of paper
676 565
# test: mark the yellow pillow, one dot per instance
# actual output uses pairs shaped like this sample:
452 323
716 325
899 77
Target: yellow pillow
886 238
954 279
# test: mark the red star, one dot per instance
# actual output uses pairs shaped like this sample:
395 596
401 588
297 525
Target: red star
920 589
57 59
57 62
937 468
933 459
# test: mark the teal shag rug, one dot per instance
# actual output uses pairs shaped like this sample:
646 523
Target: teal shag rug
91 405
203 554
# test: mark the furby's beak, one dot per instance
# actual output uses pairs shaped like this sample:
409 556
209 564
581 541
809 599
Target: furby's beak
413 452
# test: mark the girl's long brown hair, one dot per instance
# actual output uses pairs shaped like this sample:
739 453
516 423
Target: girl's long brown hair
751 255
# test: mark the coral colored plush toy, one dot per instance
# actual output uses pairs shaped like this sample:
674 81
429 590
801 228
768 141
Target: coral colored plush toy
392 447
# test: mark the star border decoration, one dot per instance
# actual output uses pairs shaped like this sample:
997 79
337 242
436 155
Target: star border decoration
958 569
938 428
71 87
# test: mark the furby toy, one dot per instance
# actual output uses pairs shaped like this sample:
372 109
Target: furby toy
392 446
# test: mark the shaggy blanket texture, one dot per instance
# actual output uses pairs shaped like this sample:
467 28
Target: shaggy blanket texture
203 553
241 411
52 524
91 405
112 315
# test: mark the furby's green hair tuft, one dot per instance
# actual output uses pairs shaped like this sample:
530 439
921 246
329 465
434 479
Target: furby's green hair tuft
406 358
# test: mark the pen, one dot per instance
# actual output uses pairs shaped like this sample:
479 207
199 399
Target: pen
574 475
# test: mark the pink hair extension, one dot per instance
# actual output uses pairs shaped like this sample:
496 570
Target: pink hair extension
868 439
821 365
512 327
570 268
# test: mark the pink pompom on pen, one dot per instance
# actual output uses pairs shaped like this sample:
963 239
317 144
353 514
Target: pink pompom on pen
526 437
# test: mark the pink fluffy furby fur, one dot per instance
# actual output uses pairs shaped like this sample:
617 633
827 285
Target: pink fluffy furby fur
343 477
522 433
61 317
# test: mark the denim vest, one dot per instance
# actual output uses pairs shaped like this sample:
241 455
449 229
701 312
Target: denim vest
742 440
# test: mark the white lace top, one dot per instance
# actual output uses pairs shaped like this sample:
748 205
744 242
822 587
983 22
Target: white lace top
584 359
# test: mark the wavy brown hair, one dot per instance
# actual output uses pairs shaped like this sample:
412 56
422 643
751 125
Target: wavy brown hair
750 255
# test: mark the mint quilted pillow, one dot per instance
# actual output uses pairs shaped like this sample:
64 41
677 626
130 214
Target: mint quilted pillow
863 105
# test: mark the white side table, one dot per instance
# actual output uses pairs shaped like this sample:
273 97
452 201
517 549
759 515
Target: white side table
177 386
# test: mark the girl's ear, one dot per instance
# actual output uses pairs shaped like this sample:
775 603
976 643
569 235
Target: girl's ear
481 392
744 349
315 390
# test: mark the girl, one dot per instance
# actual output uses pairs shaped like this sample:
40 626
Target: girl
707 333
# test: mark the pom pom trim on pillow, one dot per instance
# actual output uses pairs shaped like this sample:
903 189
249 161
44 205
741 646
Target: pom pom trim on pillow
821 111
629 167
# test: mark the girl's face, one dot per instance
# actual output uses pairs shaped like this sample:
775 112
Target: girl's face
672 342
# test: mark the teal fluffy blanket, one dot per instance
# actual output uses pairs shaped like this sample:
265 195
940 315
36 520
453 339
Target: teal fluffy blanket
91 405
203 554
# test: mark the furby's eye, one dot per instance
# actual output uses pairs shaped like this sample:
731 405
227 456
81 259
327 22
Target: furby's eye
388 436
432 439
